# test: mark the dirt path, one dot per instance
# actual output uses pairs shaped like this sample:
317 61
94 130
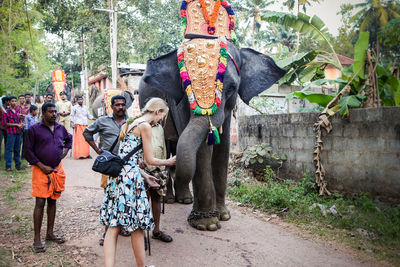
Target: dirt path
242 241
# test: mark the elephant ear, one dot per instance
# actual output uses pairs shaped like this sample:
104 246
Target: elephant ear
258 72
162 74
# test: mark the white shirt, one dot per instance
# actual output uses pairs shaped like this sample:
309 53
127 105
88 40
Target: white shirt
80 115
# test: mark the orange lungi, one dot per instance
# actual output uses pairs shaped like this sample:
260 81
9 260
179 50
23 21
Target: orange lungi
81 147
44 186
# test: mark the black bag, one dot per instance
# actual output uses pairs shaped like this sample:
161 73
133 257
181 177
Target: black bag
110 164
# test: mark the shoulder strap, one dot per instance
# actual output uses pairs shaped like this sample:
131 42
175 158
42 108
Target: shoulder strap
130 154
113 145
116 140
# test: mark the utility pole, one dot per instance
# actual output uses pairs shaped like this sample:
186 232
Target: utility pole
113 12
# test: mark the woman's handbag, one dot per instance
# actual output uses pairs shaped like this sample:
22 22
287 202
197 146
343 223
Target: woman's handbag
110 164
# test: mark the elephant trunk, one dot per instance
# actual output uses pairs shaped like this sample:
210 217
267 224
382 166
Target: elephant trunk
189 142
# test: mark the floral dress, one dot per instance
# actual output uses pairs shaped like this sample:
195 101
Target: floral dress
125 201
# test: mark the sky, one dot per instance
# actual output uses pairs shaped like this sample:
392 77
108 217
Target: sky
326 10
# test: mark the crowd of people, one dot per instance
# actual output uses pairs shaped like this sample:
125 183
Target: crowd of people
45 130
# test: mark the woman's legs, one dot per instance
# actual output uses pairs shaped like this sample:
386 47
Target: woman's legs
137 239
110 246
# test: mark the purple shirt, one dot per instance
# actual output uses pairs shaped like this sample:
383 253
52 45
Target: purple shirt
46 146
12 117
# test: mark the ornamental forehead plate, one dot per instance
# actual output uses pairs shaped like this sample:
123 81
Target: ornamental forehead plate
196 23
202 69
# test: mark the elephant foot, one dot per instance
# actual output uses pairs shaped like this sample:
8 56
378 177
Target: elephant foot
204 221
183 195
170 198
224 213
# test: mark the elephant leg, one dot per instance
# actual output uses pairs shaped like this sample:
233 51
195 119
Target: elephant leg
182 190
204 215
170 193
220 162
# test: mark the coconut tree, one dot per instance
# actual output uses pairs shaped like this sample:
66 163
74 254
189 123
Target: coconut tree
373 16
249 12
291 4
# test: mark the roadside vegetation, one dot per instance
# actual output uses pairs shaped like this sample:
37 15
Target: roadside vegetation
359 221
16 226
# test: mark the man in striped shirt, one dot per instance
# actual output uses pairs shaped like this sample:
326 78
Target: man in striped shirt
13 124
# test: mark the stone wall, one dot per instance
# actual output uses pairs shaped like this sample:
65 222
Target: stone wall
362 153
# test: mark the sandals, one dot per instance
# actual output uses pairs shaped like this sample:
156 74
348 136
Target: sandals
101 241
38 248
57 239
162 237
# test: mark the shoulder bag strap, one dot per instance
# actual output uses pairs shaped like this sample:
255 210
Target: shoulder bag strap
114 144
136 149
130 154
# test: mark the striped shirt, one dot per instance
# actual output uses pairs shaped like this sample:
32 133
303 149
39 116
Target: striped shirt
12 117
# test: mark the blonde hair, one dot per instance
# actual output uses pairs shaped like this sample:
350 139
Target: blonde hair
153 105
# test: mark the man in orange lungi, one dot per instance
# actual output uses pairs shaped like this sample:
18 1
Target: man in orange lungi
47 143
79 118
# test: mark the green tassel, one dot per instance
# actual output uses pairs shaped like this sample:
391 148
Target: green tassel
214 108
223 52
181 64
183 27
234 37
217 140
197 110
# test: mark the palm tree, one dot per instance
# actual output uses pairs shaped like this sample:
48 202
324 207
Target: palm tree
291 5
374 15
250 12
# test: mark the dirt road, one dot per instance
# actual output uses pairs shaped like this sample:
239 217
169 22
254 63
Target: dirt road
242 241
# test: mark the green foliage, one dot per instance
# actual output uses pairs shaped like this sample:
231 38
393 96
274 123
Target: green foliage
389 35
258 153
389 86
360 53
312 97
298 68
146 29
314 27
382 220
23 54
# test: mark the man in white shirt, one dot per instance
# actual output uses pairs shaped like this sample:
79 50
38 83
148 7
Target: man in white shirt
79 118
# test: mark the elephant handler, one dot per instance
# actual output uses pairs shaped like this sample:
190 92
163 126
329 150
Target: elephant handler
108 127
159 151
47 143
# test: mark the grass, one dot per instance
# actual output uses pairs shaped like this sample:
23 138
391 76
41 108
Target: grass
360 221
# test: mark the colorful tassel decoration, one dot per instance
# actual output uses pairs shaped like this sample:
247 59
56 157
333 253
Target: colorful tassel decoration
213 136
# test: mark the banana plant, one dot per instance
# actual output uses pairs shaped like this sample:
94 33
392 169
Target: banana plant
313 27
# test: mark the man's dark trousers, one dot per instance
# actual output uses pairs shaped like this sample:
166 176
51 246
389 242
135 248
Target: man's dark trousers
13 145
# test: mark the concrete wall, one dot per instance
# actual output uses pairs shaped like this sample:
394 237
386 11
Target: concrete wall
362 153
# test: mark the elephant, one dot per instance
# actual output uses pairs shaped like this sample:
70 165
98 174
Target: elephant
99 104
93 94
248 73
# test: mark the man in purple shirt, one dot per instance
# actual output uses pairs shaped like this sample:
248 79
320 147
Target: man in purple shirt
13 124
47 143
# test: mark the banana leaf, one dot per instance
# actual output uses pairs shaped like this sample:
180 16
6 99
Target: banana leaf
312 97
360 49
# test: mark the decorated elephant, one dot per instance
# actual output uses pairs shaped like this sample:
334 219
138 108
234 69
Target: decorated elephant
246 73
99 105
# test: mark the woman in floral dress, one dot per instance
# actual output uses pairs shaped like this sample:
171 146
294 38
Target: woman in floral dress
125 202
